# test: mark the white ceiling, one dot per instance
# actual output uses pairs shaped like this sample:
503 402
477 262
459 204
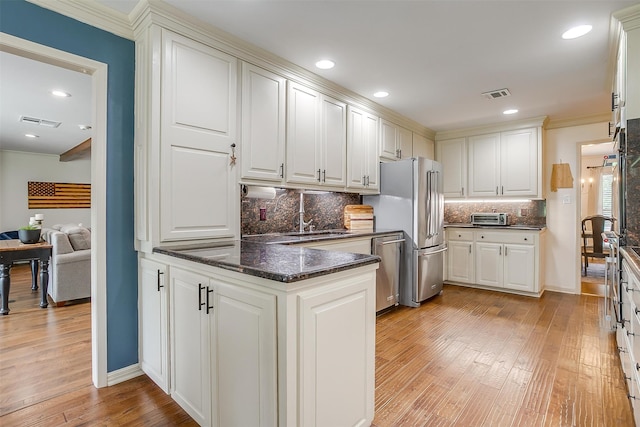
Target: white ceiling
435 58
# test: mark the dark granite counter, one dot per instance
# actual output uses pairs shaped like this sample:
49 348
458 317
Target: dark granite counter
498 227
632 257
282 263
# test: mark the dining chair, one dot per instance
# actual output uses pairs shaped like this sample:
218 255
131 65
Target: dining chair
592 228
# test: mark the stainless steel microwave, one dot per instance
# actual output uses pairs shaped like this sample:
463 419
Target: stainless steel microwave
491 218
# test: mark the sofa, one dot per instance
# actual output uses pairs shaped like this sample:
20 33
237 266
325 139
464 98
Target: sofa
70 267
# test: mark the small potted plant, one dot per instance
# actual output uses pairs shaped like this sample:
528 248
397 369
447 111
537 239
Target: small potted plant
29 234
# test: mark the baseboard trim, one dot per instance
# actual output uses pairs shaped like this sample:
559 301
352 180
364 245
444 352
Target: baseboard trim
124 374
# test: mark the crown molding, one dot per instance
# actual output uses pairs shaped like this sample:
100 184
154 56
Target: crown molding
579 121
91 13
498 127
629 17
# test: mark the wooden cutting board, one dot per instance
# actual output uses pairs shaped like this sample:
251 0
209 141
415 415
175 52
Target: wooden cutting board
362 212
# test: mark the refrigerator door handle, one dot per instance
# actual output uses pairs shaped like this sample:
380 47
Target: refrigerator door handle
437 195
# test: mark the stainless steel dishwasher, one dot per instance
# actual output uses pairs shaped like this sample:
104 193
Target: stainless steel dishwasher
388 248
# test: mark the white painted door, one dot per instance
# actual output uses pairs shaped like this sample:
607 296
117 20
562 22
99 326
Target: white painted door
484 165
519 267
263 124
303 134
405 143
452 154
198 182
244 363
334 142
519 163
154 322
460 262
488 264
190 347
337 330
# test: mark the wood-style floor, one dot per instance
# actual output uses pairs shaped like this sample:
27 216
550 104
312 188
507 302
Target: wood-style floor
466 358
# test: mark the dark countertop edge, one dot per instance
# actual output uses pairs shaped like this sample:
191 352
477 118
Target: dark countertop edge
499 227
633 258
278 277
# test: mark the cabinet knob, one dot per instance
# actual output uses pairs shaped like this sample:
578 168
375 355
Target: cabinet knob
525 239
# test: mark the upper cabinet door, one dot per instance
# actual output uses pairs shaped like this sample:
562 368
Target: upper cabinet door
334 142
452 154
362 150
405 143
303 134
388 140
484 165
263 124
519 163
198 182
199 94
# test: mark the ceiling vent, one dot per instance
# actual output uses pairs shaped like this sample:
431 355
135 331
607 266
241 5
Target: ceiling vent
499 93
41 122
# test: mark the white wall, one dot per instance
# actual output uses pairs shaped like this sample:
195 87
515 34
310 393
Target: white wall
17 168
563 219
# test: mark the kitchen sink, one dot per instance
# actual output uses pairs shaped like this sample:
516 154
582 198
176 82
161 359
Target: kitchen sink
314 233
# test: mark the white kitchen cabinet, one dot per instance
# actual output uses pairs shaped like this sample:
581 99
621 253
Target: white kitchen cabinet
362 151
452 154
496 259
154 322
504 164
316 138
223 351
460 256
337 328
186 183
190 344
263 124
396 142
422 147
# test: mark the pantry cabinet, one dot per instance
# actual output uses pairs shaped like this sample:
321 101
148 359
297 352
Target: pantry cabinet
153 321
452 154
223 351
362 151
316 137
263 124
497 259
396 142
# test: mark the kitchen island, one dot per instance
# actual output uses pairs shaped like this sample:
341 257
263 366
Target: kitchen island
245 333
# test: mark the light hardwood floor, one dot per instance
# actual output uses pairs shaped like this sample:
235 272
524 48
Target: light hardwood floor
466 358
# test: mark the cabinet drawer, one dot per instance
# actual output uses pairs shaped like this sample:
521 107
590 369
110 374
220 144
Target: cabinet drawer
508 237
457 235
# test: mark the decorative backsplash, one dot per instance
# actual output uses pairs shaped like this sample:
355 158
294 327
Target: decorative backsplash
282 213
533 212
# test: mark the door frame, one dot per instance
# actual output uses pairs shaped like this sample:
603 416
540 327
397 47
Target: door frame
99 73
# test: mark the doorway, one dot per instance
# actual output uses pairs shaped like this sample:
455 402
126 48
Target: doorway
98 73
596 198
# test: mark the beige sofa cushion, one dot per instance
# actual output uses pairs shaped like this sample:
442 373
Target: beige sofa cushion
79 237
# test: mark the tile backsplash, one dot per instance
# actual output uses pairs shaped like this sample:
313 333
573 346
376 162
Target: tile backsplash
281 213
531 212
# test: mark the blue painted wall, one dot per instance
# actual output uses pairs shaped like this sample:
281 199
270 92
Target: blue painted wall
42 26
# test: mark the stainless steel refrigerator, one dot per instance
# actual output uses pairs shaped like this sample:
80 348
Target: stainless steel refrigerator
411 200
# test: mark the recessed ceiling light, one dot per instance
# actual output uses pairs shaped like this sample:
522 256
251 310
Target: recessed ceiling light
576 32
512 111
60 93
325 64
30 135
381 94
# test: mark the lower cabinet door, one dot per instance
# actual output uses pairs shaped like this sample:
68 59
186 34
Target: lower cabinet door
154 322
519 267
460 262
190 347
244 362
337 333
489 264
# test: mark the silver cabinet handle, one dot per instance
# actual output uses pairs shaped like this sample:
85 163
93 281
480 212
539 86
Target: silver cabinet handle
319 175
200 303
324 175
390 242
159 274
209 291
282 170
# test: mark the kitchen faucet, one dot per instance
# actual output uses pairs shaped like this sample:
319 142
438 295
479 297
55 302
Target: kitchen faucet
301 215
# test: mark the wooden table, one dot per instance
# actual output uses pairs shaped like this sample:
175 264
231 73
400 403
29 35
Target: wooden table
14 250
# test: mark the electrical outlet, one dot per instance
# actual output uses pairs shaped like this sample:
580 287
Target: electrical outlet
566 199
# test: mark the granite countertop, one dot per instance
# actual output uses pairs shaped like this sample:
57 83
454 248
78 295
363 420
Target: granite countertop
498 227
630 255
282 263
